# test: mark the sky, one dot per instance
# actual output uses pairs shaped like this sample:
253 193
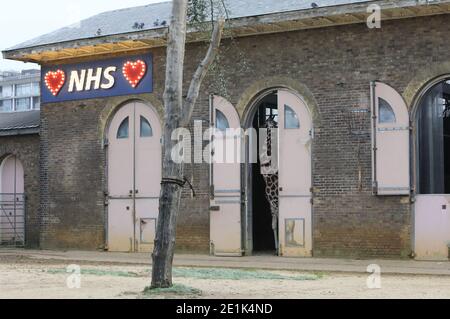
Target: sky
22 20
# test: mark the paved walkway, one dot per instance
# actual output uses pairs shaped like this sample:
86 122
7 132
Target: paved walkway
409 267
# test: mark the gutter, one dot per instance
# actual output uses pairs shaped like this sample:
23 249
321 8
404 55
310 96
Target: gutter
20 132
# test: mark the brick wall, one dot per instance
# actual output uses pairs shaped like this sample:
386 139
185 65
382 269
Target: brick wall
26 148
336 64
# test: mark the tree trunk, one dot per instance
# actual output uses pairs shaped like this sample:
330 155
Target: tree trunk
171 186
178 113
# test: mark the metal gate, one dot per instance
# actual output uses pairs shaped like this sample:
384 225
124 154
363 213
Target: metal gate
12 220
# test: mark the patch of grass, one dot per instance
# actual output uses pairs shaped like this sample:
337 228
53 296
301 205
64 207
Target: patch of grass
97 272
238 274
204 273
177 289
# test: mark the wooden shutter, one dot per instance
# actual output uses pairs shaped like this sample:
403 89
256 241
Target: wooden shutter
391 141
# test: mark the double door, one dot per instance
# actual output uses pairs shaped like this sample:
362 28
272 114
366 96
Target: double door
295 135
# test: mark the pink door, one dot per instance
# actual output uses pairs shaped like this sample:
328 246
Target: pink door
134 176
226 180
12 209
432 224
295 176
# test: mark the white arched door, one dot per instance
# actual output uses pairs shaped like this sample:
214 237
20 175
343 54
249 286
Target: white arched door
12 203
134 177
295 176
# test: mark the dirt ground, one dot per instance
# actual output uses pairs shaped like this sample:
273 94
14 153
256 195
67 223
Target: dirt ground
22 278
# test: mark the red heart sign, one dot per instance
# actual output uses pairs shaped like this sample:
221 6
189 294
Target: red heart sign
134 72
55 81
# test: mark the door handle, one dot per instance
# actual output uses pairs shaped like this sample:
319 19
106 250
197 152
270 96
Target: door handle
281 189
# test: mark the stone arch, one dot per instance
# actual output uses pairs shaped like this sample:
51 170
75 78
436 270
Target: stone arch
258 88
12 152
427 76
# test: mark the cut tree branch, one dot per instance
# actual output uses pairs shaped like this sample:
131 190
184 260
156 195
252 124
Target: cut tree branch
201 72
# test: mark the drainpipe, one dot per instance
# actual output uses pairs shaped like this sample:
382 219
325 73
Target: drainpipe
211 126
448 251
374 137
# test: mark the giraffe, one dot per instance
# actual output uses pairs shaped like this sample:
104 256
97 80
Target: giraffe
270 176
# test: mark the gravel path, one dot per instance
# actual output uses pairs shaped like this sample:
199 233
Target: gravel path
24 278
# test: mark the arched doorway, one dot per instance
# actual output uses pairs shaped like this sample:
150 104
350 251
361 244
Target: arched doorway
432 172
134 177
293 144
242 213
12 202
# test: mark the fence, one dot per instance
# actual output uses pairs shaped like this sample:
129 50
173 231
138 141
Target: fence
12 220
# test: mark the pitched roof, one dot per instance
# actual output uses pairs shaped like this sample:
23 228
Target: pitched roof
18 123
122 21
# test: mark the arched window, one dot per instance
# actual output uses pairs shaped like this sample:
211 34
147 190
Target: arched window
291 120
433 140
386 113
221 121
124 129
146 128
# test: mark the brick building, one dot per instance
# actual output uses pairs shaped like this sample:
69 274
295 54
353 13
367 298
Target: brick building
362 117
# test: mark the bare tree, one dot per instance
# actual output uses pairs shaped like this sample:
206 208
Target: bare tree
178 114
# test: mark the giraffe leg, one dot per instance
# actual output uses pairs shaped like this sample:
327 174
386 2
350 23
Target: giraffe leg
275 232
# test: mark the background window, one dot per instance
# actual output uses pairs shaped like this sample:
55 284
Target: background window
123 131
36 103
221 121
290 118
5 105
7 91
35 89
386 113
146 129
23 104
23 89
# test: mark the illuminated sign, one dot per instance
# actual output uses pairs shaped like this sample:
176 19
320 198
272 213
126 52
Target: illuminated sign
103 78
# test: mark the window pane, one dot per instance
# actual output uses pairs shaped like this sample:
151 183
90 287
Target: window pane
290 118
5 105
386 113
23 104
36 103
123 131
35 89
221 121
146 129
7 91
23 89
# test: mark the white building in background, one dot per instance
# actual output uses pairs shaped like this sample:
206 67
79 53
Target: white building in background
20 91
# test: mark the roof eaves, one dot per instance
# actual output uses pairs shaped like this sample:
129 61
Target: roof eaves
159 34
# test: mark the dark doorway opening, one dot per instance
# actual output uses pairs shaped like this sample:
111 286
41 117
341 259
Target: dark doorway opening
433 146
263 235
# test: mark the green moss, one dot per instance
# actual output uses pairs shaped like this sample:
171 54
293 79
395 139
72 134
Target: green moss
179 290
97 272
237 274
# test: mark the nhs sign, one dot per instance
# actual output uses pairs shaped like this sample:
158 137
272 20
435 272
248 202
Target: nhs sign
96 79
